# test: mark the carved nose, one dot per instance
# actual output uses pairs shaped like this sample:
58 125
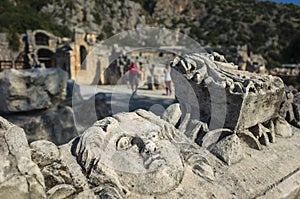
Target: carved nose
149 146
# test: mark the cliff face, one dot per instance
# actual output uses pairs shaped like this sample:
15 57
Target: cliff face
104 17
267 28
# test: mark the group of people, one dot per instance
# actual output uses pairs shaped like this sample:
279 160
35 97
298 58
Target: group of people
133 77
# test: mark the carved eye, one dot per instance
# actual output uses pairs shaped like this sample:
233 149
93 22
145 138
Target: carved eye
153 136
124 143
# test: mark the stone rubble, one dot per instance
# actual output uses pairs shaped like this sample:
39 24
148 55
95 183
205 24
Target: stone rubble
237 102
141 155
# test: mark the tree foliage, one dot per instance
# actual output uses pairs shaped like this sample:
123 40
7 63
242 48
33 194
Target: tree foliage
26 15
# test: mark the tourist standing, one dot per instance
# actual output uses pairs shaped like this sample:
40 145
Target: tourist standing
168 79
133 76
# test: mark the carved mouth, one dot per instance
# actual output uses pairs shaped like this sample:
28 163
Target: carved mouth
154 162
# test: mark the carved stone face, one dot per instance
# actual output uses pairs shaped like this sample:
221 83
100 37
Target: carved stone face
137 151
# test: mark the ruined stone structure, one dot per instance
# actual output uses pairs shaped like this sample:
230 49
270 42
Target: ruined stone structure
9 58
134 155
180 155
86 61
245 103
290 108
40 48
240 56
290 74
32 99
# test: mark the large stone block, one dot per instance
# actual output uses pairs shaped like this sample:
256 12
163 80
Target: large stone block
20 177
31 89
57 126
228 97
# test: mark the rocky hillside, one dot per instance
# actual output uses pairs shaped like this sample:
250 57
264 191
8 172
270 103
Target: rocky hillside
267 28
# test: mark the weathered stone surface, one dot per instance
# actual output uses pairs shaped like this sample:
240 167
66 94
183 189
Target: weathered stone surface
228 149
32 89
57 126
61 191
283 128
20 177
229 98
135 151
214 136
44 152
261 133
248 138
150 154
59 180
287 189
172 114
79 179
290 108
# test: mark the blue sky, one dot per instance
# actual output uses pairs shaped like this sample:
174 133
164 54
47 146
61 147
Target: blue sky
297 2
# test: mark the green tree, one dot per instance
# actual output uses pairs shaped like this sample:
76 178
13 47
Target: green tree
13 39
291 54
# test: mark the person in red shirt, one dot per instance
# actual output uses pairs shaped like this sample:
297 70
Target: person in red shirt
133 76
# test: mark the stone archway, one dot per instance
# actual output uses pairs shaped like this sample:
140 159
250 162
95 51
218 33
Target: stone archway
45 56
42 39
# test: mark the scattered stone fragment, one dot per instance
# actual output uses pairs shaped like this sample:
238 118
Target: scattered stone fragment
228 149
44 152
248 138
271 134
61 191
283 128
261 133
214 136
172 114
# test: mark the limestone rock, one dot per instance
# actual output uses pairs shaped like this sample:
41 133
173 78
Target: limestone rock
59 180
271 134
31 89
283 128
228 98
140 154
261 133
248 138
89 16
57 126
44 152
296 110
61 191
56 173
172 114
290 107
20 177
228 149
214 136
79 179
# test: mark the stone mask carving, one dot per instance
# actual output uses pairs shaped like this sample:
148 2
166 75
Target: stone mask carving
135 151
